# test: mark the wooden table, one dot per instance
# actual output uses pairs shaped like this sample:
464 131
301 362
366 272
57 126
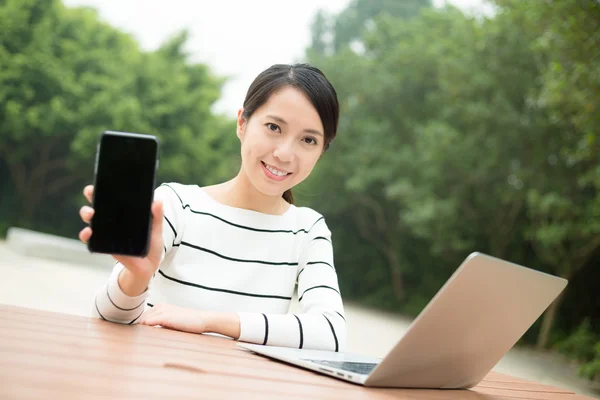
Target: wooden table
51 355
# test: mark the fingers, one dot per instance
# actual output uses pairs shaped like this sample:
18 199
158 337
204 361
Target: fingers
152 316
157 217
86 213
85 234
88 192
150 320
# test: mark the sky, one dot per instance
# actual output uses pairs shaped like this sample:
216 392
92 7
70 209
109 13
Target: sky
237 38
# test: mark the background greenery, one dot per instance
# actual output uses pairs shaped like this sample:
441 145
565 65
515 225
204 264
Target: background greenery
458 133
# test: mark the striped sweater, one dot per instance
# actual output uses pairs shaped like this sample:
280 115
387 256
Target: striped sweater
223 258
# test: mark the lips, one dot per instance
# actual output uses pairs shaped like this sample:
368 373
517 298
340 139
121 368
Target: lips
274 172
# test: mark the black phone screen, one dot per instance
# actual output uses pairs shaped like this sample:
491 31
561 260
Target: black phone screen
123 193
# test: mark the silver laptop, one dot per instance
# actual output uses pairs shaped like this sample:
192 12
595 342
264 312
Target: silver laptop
473 320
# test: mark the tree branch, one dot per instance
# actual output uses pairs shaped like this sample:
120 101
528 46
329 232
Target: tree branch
366 233
45 168
505 225
584 254
61 183
377 209
542 254
18 172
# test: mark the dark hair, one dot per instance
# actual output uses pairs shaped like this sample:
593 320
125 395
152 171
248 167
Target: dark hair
306 78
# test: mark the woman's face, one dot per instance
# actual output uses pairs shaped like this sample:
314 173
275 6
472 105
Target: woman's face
281 141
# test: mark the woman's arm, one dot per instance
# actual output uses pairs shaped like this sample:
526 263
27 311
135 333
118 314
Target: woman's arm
321 324
123 298
193 321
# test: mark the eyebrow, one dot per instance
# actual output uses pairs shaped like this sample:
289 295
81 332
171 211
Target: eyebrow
282 122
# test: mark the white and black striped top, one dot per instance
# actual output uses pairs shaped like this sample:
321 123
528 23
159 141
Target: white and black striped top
224 258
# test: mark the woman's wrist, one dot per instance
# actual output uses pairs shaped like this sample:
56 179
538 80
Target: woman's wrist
132 285
224 323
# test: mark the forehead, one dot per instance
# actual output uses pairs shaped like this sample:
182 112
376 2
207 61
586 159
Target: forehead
294 107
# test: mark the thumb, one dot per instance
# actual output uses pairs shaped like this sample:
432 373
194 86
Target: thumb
157 217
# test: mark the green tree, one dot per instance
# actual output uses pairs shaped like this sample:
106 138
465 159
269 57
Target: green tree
457 134
564 208
56 64
359 15
66 77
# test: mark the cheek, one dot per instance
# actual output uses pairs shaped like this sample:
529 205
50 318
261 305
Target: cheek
247 150
255 145
308 163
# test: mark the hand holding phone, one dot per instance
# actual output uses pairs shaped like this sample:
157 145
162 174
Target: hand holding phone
125 221
125 174
140 268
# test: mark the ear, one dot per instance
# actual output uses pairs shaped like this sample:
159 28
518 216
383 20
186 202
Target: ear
241 124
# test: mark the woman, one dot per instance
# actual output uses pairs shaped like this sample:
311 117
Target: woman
229 256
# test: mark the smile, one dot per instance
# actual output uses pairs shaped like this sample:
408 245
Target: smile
273 172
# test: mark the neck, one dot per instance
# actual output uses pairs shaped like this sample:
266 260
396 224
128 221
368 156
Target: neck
239 192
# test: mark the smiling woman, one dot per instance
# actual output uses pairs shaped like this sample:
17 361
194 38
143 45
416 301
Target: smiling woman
295 112
230 255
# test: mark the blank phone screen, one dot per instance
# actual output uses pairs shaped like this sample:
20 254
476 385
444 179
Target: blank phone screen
123 193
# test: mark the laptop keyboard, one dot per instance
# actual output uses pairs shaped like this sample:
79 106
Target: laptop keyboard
357 367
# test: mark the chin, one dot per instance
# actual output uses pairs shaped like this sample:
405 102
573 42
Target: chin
266 188
271 191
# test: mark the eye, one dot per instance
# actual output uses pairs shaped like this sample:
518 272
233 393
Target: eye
273 127
310 140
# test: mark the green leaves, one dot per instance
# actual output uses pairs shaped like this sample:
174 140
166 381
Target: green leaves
66 76
583 345
458 134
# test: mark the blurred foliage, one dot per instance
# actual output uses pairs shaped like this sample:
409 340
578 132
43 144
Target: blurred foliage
457 133
65 77
584 346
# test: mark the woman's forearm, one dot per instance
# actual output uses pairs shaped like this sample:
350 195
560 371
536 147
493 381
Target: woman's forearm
224 323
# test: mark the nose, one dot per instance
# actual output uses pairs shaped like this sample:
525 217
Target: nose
284 152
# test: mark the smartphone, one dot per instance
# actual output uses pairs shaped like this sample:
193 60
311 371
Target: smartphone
124 182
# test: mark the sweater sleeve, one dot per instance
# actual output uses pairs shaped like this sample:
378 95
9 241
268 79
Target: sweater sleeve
110 303
321 325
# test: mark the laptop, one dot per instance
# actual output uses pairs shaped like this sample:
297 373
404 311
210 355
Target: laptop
475 318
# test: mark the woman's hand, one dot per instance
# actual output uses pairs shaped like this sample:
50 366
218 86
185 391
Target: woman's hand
193 321
177 318
140 269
